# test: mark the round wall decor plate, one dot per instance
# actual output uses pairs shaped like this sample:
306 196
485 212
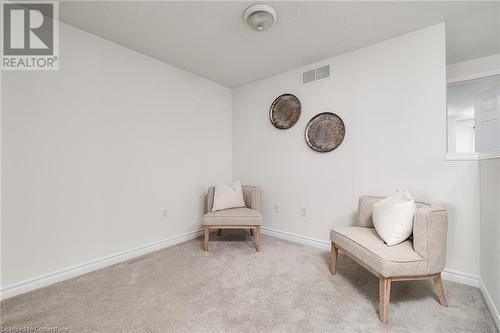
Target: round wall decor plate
325 132
285 111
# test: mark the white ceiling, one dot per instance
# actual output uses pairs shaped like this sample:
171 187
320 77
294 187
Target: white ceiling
210 38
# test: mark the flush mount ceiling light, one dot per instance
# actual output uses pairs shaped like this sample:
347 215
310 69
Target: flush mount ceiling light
260 17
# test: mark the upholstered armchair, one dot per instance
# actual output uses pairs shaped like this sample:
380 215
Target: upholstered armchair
249 217
420 257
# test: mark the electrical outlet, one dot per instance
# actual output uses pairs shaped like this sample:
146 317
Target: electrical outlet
303 212
164 213
276 207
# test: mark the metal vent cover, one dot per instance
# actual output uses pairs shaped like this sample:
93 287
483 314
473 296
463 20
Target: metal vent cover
323 72
309 76
316 74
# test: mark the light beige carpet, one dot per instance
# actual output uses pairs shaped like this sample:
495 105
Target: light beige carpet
285 288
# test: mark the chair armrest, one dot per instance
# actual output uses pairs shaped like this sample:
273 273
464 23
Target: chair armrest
430 227
252 197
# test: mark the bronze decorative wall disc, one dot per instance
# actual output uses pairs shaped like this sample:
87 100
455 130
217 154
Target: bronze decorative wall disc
285 111
325 132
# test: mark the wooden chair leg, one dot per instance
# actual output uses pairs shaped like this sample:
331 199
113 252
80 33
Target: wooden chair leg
438 283
257 238
251 232
333 259
207 235
384 286
219 232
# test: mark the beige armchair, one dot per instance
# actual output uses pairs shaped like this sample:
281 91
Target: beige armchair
421 257
249 217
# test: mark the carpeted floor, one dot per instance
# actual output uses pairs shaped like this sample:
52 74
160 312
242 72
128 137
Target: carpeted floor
285 288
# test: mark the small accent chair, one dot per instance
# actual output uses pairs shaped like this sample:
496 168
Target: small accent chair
249 217
420 257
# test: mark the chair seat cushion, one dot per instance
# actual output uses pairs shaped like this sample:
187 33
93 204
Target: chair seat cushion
233 216
389 261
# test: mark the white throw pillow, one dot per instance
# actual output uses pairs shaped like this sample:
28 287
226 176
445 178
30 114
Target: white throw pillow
393 217
228 196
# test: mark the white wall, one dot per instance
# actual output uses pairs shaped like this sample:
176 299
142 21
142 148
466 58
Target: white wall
392 98
489 193
93 152
490 229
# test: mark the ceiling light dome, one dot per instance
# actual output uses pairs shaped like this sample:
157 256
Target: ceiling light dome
260 17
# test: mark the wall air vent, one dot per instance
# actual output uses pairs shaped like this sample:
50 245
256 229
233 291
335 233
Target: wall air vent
316 74
309 76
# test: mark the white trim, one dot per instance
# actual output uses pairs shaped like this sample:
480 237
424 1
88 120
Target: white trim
325 245
77 270
489 304
448 274
461 277
473 76
486 155
461 156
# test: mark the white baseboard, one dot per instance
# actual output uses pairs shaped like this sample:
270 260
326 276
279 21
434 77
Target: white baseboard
74 271
325 245
461 277
448 274
489 304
